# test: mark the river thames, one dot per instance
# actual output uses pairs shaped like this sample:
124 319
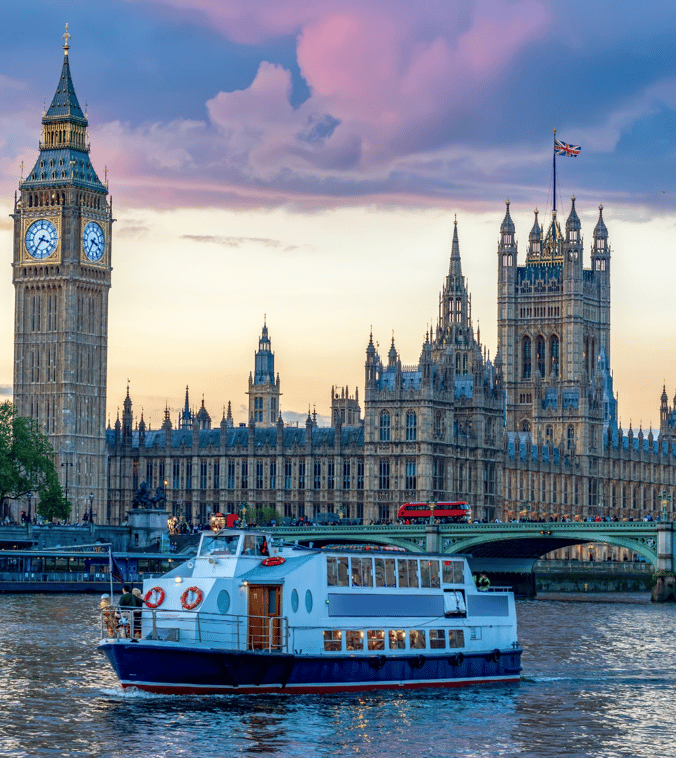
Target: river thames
598 680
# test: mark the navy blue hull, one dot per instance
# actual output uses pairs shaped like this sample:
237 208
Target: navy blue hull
177 669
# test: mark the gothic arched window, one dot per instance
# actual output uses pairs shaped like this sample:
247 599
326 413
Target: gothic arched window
540 354
385 426
549 434
526 358
438 426
411 426
553 355
525 425
571 438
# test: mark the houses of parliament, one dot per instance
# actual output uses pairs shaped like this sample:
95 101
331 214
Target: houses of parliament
531 433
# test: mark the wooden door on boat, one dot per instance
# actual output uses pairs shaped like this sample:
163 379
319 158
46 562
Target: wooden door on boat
264 617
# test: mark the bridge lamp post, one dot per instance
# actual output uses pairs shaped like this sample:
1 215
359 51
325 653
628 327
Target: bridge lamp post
432 505
30 498
665 503
91 511
244 514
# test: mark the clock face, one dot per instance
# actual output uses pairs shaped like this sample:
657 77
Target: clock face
93 241
41 239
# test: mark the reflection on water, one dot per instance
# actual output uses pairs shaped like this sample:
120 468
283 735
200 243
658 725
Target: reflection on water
597 681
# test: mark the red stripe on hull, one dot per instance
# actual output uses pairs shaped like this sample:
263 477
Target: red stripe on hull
312 689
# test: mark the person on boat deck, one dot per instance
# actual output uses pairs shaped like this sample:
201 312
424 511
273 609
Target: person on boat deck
136 592
129 601
109 615
484 583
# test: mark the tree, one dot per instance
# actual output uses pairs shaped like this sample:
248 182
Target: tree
52 502
263 516
26 456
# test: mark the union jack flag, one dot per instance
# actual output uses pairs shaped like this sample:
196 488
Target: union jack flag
563 148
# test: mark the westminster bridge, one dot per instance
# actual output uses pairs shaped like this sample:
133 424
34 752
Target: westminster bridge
497 547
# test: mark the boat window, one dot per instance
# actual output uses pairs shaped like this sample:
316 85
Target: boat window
343 573
333 640
223 601
294 601
272 601
337 574
456 638
475 632
425 579
453 572
434 574
437 639
454 603
222 544
357 580
331 571
254 545
397 639
390 572
376 639
308 601
379 572
354 640
417 639
367 572
412 573
403 573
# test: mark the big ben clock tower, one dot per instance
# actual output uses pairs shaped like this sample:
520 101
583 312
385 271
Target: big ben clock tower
62 264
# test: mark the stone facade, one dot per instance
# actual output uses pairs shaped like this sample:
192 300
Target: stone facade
530 434
61 273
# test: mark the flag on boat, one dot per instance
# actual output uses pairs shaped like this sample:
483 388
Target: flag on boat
563 148
116 571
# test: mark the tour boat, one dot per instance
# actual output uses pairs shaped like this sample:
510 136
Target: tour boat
251 615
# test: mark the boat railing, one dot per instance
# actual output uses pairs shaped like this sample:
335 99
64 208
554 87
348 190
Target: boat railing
254 633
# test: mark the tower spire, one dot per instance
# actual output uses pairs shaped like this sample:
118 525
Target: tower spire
455 268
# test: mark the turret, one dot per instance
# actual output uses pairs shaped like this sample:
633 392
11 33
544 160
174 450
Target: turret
600 253
535 238
573 226
127 420
507 254
664 409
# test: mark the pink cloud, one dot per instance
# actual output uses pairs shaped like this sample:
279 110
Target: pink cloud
385 79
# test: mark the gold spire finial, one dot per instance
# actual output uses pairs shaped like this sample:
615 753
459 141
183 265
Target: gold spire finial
66 37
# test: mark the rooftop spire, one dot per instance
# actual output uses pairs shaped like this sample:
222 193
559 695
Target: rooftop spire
65 103
456 265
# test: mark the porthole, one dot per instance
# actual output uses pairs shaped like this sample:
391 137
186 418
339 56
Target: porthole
294 601
308 601
223 601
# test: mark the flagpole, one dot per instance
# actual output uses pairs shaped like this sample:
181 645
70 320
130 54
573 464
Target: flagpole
110 571
554 165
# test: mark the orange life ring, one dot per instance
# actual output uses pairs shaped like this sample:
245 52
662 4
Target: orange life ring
274 560
199 596
160 597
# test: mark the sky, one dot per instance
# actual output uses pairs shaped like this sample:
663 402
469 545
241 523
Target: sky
302 162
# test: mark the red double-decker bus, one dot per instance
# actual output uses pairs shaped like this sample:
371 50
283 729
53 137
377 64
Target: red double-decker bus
457 511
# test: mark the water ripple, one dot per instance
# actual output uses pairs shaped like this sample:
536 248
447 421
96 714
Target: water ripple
597 682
